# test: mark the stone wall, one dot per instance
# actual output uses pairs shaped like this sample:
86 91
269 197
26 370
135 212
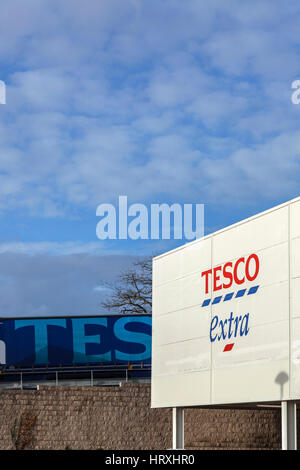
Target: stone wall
121 418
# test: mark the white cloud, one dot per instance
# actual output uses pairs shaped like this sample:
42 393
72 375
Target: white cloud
263 172
50 248
139 99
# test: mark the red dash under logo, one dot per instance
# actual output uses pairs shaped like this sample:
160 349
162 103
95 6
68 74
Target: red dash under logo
228 347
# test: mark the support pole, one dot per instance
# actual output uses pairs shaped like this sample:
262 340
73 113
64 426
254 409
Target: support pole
178 428
289 425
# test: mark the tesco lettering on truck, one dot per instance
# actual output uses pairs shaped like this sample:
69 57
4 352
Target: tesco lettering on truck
74 340
226 315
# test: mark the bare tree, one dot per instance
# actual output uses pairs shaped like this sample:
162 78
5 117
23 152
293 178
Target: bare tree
132 293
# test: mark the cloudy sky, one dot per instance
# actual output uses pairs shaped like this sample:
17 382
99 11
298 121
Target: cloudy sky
162 101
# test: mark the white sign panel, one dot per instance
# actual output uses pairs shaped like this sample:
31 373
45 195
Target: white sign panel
226 315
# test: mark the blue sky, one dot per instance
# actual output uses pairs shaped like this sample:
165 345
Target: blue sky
162 101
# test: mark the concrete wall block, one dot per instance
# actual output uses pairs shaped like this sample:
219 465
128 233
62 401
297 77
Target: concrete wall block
121 418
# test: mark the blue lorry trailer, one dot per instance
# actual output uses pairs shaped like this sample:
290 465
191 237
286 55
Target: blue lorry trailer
106 344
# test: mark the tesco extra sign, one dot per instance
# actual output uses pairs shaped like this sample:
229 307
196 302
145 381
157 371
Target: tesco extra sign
227 276
226 314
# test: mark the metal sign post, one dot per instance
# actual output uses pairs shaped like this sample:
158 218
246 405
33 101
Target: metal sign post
289 425
178 428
